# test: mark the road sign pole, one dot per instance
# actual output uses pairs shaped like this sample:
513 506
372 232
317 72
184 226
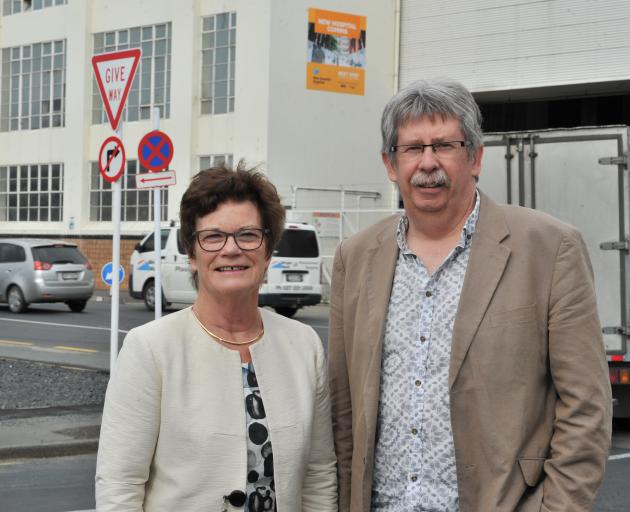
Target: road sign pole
115 289
157 237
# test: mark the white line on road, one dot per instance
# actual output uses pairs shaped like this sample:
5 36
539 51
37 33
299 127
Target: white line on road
61 325
619 456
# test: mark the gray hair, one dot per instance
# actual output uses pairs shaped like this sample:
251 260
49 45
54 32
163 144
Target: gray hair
437 97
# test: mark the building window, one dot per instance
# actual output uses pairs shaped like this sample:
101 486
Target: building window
151 86
218 51
30 193
33 86
137 205
18 6
207 161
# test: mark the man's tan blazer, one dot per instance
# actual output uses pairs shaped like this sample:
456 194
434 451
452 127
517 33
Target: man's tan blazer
529 392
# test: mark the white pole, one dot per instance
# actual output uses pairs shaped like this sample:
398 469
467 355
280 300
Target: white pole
115 289
157 236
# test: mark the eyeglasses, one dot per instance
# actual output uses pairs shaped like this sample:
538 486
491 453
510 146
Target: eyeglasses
248 239
413 152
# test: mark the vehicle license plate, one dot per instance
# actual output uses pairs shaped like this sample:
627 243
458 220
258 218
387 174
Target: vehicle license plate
70 276
294 278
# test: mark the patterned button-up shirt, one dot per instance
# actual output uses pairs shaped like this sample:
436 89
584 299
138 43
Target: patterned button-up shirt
414 466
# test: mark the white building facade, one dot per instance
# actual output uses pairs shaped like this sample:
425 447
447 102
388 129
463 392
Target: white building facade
229 79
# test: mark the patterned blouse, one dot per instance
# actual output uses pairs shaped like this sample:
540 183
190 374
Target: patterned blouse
261 494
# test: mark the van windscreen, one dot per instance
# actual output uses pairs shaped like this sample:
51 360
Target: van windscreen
58 254
297 243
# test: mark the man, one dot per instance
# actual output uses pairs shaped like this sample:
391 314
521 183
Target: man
466 360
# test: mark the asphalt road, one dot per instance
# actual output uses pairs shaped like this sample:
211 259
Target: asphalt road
67 483
51 333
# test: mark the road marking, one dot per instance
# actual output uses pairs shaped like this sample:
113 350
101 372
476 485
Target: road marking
620 456
18 343
77 349
61 325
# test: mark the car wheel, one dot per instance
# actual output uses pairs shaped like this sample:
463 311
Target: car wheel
148 294
17 304
286 311
76 306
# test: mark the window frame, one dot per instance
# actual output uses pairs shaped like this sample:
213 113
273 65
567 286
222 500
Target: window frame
151 85
32 192
218 50
133 201
33 86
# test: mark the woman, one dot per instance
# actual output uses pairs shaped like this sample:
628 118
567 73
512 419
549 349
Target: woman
222 406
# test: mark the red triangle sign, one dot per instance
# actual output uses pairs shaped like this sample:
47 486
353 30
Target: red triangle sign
114 74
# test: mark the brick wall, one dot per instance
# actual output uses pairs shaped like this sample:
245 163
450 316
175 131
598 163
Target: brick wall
99 251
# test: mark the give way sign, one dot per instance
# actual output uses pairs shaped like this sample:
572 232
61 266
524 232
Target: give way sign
114 74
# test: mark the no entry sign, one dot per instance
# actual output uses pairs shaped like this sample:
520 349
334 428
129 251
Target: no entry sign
114 74
155 151
111 159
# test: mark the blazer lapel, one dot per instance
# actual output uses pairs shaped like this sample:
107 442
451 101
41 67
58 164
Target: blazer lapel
488 258
381 263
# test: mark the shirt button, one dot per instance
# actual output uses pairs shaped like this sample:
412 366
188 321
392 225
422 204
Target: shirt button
423 338
418 383
414 431
414 478
428 294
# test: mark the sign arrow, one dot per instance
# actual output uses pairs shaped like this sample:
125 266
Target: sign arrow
156 179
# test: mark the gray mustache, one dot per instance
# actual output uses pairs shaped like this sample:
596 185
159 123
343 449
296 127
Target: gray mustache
432 179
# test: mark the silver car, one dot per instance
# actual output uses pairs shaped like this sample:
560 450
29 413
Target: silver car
37 270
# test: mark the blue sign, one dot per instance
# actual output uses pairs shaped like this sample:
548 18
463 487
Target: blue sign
106 273
155 151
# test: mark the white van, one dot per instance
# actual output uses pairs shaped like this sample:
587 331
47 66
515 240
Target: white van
292 280
177 283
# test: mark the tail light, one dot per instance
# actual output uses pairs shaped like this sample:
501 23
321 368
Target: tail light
619 375
88 265
41 265
616 358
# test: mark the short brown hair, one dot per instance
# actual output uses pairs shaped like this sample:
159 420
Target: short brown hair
210 188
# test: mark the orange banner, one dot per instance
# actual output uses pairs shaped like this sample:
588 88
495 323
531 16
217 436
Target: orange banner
336 52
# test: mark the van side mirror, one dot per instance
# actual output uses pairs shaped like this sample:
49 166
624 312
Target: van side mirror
137 247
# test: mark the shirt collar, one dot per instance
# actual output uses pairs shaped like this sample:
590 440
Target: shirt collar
464 240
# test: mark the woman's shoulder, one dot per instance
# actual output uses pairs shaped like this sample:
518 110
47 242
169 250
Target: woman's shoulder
283 328
163 329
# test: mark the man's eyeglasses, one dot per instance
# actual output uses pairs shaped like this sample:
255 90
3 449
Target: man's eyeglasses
412 152
248 239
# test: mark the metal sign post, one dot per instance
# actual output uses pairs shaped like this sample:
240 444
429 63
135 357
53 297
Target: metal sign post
157 237
114 74
115 289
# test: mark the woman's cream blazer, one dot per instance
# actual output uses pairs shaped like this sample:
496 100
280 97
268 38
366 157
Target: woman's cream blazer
173 435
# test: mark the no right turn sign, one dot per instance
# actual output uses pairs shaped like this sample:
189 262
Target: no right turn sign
111 159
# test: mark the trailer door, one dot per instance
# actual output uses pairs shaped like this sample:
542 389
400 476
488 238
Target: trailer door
557 171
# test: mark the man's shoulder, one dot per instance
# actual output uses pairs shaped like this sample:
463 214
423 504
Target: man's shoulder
374 235
521 218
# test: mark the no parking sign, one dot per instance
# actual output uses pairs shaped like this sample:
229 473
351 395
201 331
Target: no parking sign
155 151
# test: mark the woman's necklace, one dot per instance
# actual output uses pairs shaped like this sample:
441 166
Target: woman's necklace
229 342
